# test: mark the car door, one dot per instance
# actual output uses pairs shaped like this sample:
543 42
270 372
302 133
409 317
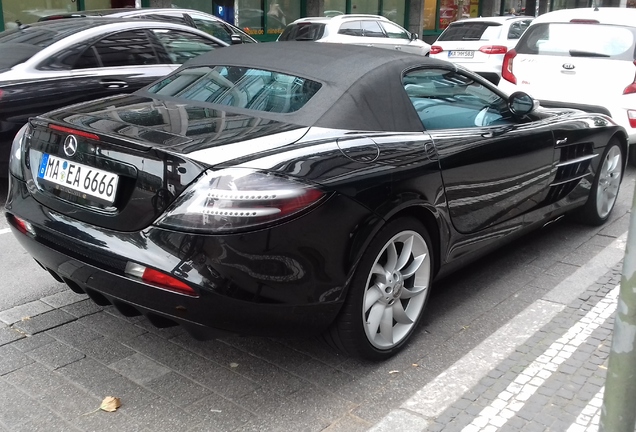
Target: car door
495 166
219 29
121 62
126 61
400 38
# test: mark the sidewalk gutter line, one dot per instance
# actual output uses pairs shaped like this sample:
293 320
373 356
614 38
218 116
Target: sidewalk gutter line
432 399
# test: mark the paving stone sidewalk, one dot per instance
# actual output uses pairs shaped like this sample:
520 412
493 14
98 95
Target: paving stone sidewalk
553 382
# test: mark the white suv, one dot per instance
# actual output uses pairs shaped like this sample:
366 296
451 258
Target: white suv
357 29
479 44
582 58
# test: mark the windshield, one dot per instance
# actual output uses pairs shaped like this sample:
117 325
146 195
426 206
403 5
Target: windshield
254 89
579 40
471 31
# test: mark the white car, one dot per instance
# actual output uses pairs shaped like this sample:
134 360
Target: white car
583 58
357 29
479 44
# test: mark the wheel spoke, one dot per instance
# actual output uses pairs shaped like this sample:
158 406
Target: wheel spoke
373 322
415 291
400 314
372 296
391 258
415 265
405 254
386 325
379 270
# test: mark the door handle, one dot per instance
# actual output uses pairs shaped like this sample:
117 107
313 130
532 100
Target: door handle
561 141
114 84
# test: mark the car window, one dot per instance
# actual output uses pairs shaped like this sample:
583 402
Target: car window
517 28
579 40
127 48
394 31
461 31
303 31
253 89
446 99
182 46
214 28
351 28
371 29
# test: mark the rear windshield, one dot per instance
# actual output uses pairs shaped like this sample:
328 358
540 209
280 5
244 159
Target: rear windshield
471 31
304 31
239 87
579 40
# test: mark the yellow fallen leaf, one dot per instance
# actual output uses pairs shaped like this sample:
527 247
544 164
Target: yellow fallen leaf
110 404
233 365
26 318
415 365
394 371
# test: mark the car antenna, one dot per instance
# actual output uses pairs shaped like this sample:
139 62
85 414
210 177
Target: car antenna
21 26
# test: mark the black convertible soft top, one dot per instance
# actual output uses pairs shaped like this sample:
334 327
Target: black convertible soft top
361 86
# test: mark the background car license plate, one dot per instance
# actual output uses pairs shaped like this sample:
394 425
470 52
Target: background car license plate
78 177
461 54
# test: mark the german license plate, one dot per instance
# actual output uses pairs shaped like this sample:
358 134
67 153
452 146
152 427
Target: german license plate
461 54
79 178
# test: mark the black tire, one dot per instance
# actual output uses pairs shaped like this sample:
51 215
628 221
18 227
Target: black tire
391 295
605 187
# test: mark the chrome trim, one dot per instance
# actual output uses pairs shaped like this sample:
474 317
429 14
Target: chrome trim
577 160
569 180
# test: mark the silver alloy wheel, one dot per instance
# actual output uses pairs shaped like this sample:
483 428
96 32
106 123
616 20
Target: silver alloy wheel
396 289
609 181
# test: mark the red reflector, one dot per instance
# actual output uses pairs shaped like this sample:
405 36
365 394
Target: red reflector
584 21
20 224
631 115
436 49
74 132
167 281
494 49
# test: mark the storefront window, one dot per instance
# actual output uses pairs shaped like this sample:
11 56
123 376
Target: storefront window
249 16
335 7
365 7
430 8
394 10
280 13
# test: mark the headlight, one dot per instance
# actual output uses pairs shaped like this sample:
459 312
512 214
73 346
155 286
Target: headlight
15 158
237 198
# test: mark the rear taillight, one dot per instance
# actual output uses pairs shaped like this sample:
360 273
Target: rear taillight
632 87
506 70
436 49
494 49
236 199
631 115
23 226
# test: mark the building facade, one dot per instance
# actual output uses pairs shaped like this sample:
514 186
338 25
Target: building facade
265 19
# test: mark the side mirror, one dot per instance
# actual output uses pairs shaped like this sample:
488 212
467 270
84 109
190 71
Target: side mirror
236 39
414 36
520 103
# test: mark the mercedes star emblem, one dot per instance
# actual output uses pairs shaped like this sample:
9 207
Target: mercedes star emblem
70 146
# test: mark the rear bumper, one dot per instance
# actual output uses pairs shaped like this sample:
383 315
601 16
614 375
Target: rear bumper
235 296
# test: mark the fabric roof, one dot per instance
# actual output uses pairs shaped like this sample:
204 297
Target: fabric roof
361 86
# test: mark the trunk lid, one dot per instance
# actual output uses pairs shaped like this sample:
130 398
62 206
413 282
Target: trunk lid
119 162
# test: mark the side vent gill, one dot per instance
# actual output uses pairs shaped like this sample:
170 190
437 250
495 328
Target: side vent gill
573 165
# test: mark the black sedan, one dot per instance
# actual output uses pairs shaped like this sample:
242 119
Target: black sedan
49 65
276 189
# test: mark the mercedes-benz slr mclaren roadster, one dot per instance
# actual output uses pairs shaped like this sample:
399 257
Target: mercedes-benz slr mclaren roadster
296 189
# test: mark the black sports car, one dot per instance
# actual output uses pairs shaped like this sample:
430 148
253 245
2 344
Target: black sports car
291 189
